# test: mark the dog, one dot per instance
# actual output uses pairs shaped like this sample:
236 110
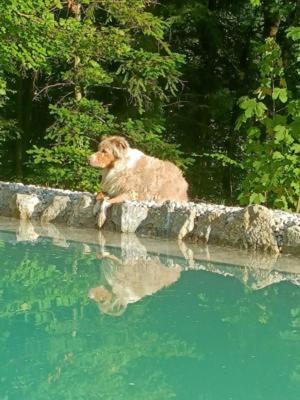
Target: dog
129 174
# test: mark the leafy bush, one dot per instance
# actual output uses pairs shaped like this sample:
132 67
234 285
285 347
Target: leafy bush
272 143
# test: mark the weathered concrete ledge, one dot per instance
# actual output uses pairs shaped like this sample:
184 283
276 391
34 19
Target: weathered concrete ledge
252 227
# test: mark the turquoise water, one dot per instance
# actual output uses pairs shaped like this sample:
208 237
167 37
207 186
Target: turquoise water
80 322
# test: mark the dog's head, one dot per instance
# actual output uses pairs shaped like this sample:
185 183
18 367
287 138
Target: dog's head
107 301
111 148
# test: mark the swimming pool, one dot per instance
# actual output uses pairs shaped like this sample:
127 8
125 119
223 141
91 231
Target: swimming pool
115 319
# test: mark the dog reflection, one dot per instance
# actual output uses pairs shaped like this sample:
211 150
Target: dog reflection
129 281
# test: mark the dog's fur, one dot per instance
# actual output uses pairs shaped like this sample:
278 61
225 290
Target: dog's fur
129 174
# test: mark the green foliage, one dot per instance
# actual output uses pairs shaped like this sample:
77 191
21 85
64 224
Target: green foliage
255 2
272 145
2 91
26 34
143 70
78 125
84 59
224 160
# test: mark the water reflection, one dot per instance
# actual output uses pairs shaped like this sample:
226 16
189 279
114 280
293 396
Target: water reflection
142 269
189 331
131 277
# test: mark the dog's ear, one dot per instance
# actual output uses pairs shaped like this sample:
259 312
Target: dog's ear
119 142
119 146
116 144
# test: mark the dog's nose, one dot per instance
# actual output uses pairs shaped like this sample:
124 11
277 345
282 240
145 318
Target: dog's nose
93 160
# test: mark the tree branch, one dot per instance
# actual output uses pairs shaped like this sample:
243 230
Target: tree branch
46 88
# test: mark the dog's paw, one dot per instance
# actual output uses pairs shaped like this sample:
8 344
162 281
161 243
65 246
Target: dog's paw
103 212
100 196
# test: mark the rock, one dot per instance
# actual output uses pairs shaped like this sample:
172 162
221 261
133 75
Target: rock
125 217
82 211
56 210
258 222
291 240
23 206
251 227
7 202
169 221
203 225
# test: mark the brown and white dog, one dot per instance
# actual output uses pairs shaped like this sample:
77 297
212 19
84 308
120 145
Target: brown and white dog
129 174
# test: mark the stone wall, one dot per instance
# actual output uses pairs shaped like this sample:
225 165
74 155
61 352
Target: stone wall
254 227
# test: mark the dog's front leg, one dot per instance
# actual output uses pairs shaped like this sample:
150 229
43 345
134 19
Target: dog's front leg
104 206
106 203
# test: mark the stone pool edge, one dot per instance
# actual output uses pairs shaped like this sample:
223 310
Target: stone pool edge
252 227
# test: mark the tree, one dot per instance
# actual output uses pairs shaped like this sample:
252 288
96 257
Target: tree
272 144
103 67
